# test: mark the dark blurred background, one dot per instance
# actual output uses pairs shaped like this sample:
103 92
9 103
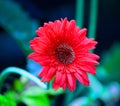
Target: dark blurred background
107 32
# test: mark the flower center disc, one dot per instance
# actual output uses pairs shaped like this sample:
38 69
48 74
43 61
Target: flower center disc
65 54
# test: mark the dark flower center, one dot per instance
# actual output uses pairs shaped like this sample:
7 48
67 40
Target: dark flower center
65 54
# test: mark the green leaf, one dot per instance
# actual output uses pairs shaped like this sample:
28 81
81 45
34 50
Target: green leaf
18 86
4 101
10 94
34 96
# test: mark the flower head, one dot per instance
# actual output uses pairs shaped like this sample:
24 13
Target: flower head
62 49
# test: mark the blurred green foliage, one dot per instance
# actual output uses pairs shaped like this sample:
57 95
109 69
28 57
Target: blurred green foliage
18 86
5 101
110 63
33 96
17 23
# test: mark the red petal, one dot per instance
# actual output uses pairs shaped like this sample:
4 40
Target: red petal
50 74
71 82
40 32
63 79
88 44
38 45
88 60
92 56
64 86
55 86
63 25
88 68
82 34
58 76
43 71
80 79
43 60
71 25
63 82
83 74
43 78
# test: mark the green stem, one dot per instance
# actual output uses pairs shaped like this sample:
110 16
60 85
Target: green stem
22 72
93 19
79 12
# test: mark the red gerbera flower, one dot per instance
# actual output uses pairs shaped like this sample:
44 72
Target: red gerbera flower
62 49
